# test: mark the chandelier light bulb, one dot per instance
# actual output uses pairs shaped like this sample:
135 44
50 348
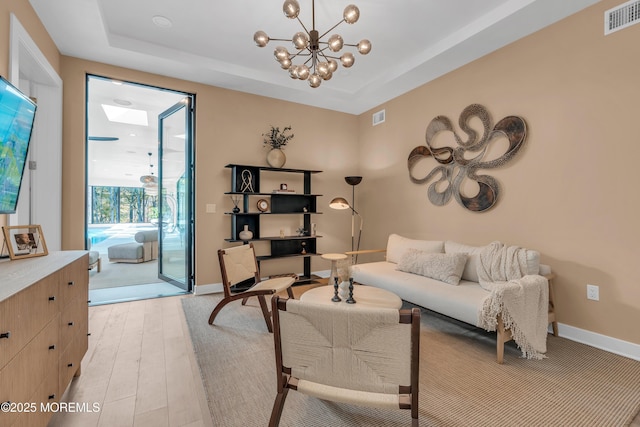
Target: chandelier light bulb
323 69
351 14
285 64
261 38
314 80
291 9
335 43
303 72
293 71
300 40
347 59
364 47
281 53
314 53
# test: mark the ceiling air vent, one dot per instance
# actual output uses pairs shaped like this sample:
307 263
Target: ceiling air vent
378 117
621 16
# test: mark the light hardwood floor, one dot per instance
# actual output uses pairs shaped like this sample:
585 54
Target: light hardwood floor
140 368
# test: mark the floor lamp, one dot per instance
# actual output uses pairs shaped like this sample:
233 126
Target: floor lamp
341 203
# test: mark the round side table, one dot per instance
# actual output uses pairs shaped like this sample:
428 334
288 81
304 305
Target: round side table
365 296
334 258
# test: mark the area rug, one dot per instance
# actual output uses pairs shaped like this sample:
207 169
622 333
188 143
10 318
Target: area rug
460 382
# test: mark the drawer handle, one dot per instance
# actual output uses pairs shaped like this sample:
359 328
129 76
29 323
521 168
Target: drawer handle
70 365
52 396
70 323
5 334
53 298
52 347
71 283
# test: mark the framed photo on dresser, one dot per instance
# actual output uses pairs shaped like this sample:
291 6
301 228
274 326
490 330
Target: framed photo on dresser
24 241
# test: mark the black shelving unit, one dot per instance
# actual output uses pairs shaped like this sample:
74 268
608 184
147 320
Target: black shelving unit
245 182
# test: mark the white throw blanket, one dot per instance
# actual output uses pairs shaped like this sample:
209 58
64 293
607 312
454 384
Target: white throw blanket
521 299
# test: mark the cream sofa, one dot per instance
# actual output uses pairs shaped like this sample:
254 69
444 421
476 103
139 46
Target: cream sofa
462 301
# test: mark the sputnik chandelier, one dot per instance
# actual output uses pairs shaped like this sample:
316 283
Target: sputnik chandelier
318 65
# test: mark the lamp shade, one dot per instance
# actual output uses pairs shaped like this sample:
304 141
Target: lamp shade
339 203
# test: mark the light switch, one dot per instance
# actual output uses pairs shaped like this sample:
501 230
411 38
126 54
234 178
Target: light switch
210 208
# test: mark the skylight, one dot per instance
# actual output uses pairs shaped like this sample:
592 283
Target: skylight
128 116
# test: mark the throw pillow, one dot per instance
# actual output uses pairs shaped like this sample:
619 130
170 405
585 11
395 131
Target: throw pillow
398 245
444 267
473 253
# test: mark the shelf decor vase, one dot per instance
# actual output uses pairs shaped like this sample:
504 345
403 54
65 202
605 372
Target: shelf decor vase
276 158
245 234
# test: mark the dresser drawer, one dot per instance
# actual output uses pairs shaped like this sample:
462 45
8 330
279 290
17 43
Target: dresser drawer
71 358
74 281
24 314
24 374
73 321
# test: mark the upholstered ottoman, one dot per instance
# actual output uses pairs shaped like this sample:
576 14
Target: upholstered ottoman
126 252
145 248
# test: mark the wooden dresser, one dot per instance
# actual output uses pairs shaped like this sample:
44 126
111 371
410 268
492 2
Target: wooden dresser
43 332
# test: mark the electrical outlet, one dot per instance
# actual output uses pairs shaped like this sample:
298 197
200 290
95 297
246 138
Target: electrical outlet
210 208
593 292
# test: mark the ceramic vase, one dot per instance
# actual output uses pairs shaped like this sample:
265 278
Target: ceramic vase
245 234
276 158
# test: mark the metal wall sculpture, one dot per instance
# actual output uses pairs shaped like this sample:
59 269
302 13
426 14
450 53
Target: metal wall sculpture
463 162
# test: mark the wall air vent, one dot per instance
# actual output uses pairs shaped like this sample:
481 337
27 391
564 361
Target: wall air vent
621 16
378 117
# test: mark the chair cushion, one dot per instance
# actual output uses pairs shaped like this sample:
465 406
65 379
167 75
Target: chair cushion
146 236
277 283
125 251
93 257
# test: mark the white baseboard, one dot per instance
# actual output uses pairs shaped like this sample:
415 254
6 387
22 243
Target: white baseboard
212 288
603 342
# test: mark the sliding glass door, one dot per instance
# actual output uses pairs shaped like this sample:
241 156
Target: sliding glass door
175 204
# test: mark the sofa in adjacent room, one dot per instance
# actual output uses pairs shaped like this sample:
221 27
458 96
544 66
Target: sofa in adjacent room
447 283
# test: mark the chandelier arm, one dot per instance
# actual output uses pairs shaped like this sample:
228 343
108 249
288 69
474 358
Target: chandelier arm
303 26
281 40
299 53
330 29
323 55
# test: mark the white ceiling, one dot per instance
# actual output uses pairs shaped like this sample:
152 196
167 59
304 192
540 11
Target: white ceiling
211 42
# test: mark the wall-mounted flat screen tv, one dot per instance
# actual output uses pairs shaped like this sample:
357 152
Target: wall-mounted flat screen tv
17 113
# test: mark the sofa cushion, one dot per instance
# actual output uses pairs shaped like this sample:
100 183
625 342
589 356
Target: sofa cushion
397 245
444 267
462 302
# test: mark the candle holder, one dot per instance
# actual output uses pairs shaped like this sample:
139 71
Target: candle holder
335 298
350 300
236 201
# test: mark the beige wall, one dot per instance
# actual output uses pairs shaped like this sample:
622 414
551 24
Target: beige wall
570 193
229 126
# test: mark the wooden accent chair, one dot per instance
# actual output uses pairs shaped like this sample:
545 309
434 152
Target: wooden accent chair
356 355
239 264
